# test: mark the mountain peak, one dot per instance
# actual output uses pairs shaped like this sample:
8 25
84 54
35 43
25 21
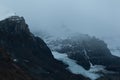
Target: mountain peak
16 18
14 24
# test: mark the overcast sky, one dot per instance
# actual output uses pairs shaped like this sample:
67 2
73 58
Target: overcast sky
95 17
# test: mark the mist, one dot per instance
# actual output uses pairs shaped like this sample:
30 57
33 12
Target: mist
94 17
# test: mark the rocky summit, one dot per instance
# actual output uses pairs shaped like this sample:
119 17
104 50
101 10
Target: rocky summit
28 56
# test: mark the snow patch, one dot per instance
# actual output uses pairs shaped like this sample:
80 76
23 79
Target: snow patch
15 60
85 52
77 69
97 68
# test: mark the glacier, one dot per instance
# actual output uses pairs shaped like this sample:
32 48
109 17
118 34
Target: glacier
77 69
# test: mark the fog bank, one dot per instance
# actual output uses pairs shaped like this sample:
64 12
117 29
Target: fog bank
94 17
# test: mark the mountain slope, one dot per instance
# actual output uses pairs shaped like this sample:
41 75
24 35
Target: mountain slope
86 51
9 70
30 52
90 53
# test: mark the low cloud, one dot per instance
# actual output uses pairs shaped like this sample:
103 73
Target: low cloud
94 17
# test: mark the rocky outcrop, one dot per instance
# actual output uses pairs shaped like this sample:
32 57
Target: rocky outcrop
30 52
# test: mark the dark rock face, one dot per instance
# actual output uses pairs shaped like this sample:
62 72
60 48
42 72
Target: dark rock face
30 52
9 70
86 50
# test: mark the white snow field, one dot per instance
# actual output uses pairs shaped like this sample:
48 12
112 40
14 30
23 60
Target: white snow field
77 69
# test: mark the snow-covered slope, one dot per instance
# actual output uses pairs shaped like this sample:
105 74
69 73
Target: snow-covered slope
77 69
